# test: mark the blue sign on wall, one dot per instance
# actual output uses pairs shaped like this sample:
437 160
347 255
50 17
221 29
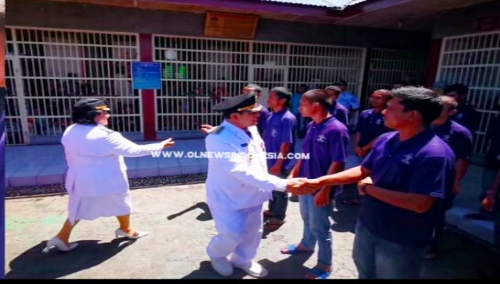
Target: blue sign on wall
146 75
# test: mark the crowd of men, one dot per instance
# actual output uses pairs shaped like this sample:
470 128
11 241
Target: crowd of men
414 149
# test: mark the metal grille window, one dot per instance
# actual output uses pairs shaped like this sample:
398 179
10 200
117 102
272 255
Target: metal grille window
388 66
197 73
319 66
13 125
474 60
55 68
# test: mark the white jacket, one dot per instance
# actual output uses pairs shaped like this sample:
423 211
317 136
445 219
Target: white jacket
240 178
94 155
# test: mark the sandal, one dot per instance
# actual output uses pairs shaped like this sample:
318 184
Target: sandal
318 273
293 249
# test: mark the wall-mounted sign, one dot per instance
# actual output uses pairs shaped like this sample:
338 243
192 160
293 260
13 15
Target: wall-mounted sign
146 75
230 25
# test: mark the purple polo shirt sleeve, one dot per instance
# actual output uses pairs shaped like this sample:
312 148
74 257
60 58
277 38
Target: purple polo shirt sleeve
430 177
464 145
342 114
288 125
338 141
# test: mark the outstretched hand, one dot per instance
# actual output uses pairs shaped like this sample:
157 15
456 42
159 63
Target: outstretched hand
168 143
302 186
207 128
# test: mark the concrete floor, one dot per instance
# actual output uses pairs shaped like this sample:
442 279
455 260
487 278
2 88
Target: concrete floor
181 226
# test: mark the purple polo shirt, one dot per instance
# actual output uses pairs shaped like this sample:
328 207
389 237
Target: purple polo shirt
370 126
280 128
261 124
467 116
457 136
340 112
325 142
424 164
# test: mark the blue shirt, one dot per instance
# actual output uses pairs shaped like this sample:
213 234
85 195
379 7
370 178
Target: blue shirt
325 143
261 125
370 126
424 165
280 128
349 100
458 137
339 112
296 98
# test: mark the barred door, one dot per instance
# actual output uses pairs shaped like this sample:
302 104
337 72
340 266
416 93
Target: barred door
52 69
474 60
388 66
197 73
16 128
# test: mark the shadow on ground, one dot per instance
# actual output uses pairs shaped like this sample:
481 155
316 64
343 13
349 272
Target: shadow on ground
344 217
204 216
89 253
289 268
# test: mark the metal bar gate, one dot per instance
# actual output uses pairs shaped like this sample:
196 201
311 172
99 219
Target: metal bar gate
474 60
47 71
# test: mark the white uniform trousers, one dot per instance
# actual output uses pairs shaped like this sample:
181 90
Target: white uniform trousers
239 232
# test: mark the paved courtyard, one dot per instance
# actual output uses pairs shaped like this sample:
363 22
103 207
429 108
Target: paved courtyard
181 226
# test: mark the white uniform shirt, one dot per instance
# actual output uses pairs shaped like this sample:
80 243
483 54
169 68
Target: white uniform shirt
240 178
94 155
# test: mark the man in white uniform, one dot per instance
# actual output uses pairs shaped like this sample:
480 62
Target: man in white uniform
238 184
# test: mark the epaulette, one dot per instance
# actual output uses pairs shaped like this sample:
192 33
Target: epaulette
105 129
217 130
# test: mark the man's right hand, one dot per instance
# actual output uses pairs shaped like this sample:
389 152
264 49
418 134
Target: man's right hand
302 186
168 143
207 128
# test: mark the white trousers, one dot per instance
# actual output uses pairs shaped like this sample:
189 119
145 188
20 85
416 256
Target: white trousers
239 233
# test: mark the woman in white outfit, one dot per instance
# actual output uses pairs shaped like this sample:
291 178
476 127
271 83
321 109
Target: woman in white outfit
96 180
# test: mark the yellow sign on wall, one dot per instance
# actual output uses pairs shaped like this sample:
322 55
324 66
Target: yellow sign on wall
230 25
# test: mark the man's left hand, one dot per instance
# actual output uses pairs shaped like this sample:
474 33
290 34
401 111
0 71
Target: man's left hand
362 185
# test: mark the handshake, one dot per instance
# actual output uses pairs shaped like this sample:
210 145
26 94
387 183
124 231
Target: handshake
302 186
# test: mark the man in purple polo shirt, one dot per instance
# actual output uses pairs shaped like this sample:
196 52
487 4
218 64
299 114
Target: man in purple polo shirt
459 138
340 112
264 113
371 123
279 139
466 114
326 144
410 169
369 127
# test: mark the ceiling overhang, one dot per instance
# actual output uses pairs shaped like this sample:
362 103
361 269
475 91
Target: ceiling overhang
274 10
416 14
